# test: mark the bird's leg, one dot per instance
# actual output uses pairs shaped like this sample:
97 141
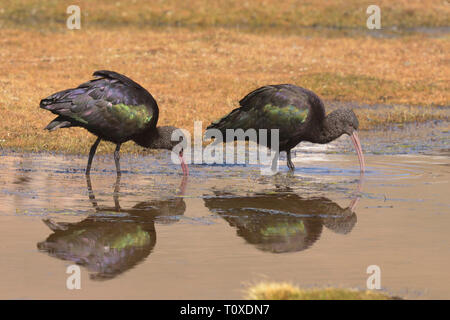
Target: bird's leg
289 161
117 159
91 192
116 193
274 167
91 155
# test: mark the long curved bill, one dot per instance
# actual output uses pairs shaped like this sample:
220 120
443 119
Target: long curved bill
357 145
183 184
184 166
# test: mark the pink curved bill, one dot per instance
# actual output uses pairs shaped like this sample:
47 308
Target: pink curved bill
184 166
183 185
357 145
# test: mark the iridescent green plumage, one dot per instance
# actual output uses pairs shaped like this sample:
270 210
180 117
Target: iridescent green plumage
284 107
284 229
137 116
139 238
285 115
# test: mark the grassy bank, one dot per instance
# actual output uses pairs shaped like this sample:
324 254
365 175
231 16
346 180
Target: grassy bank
201 73
249 14
287 291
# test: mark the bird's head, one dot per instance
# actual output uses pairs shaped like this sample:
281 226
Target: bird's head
347 120
174 139
344 121
168 138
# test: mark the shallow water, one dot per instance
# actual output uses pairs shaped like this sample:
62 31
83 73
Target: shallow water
154 235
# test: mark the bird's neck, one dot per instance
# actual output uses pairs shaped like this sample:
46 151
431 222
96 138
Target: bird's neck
328 131
155 138
145 139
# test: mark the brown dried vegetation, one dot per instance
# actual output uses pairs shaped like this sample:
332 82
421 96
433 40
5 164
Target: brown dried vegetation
201 73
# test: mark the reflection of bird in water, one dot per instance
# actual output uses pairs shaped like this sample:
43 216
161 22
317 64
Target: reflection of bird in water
281 222
114 239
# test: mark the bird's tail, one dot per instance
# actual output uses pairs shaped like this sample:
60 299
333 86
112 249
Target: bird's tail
227 122
62 99
60 103
58 122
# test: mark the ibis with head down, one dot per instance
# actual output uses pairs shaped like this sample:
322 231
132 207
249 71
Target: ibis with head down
114 108
298 114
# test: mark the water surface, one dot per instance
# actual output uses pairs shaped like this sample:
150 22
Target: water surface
155 235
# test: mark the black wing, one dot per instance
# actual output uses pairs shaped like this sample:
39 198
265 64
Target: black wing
112 106
285 107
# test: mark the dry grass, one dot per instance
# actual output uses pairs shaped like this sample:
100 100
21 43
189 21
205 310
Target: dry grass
201 74
287 291
249 14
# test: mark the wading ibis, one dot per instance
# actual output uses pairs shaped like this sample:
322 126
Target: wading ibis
114 108
298 113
